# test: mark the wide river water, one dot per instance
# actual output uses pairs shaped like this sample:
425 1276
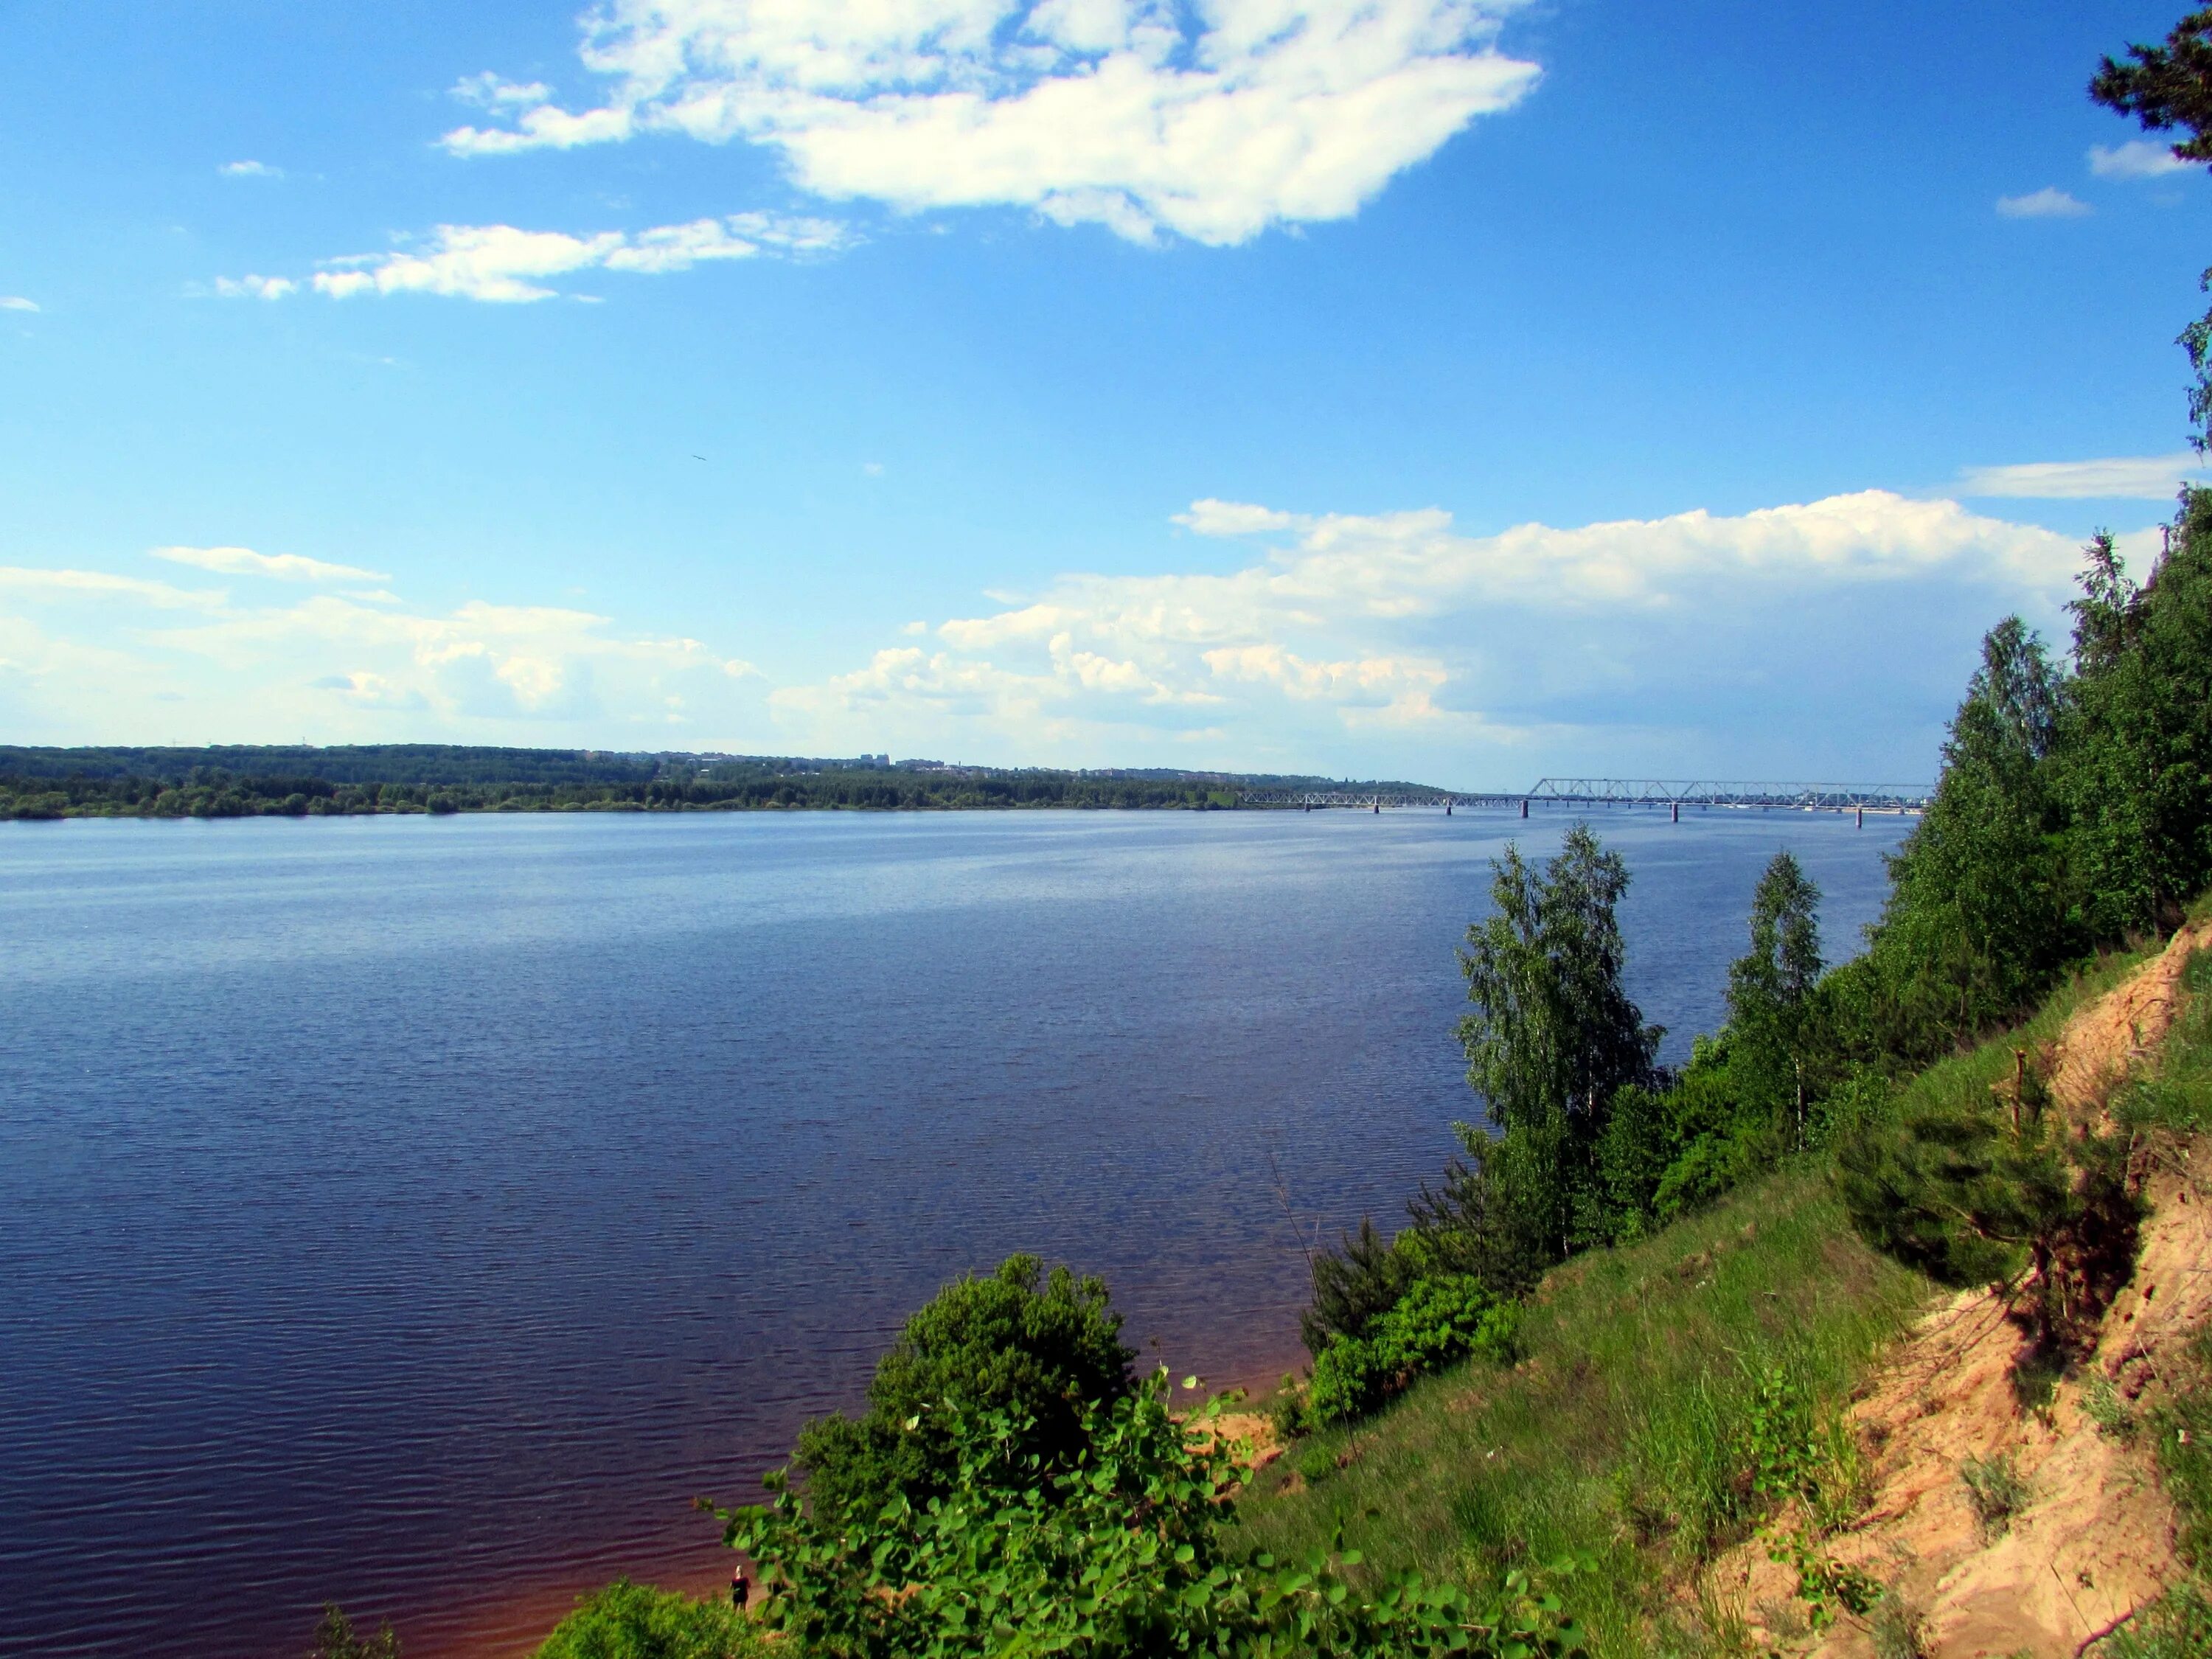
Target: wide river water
418 1213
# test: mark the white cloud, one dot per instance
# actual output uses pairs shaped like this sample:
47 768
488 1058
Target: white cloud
16 303
1212 518
2048 203
490 92
2119 477
1399 623
255 287
250 170
501 264
284 566
1212 123
2139 158
62 586
332 664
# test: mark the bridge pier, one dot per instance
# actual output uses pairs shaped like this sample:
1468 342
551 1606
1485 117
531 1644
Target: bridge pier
1678 813
1524 806
1862 823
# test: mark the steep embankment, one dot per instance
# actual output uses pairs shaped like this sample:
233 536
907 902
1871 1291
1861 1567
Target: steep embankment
2072 1533
1631 1431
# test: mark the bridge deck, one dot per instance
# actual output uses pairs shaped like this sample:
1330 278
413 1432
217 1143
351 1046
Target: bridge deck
1670 792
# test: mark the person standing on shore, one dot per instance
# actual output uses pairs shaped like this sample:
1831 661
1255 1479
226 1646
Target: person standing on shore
741 1587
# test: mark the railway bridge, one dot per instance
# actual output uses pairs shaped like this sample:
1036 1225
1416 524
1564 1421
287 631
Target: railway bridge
1700 794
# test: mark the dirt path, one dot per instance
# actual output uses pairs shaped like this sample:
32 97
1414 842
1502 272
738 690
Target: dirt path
2094 1538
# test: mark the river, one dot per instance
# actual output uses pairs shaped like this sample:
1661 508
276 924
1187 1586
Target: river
418 1213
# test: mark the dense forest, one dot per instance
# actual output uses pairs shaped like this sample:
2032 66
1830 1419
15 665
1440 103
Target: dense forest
246 780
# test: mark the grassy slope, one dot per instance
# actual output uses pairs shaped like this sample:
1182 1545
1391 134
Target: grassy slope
1625 1433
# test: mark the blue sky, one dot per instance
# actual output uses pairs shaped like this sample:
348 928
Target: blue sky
1448 388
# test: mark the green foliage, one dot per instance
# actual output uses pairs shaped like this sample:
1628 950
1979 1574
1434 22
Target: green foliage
1998 1191
1040 1349
1623 1433
1353 1285
635 1621
1995 1491
1976 925
1769 998
2114 1418
2183 1425
335 1639
2167 87
1117 1552
249 780
1552 1032
1435 1323
2179 1627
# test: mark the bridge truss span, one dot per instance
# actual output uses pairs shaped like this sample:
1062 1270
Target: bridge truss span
1672 794
1737 794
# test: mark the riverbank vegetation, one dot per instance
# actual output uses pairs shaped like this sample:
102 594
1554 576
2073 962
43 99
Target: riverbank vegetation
250 782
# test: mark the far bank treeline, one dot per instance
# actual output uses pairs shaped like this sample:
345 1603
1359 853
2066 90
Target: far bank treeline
243 781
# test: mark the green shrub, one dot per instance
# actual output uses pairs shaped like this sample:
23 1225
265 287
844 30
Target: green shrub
1033 1346
1116 1554
635 1621
1998 1191
1437 1321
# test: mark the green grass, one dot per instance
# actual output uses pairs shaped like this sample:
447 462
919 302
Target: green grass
1665 1383
1629 1433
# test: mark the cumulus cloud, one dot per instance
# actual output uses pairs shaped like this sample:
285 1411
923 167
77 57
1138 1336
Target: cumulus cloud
501 264
16 303
2048 203
250 170
284 566
2119 477
2139 158
255 287
1399 622
1143 116
116 645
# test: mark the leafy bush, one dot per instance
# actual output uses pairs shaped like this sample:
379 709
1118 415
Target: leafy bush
635 1621
1115 1553
1035 1351
1437 1322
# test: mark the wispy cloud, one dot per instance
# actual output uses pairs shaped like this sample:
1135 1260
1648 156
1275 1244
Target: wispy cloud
1210 122
255 287
283 567
2139 158
2048 203
502 265
2119 477
250 170
16 303
65 587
